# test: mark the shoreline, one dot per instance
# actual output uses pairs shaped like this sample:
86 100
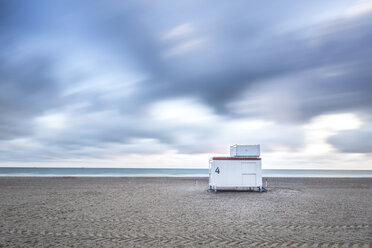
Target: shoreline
202 178
167 173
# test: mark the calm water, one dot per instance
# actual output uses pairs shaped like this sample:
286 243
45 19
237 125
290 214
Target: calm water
135 172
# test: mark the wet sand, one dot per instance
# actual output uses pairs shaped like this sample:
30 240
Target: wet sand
176 212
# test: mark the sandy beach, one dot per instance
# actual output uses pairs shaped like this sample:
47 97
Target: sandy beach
181 212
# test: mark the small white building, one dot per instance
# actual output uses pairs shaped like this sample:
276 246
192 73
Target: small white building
241 171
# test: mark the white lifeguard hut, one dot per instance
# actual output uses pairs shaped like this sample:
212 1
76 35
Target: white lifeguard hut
241 171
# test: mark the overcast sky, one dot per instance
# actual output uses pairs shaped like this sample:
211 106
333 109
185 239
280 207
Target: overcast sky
171 83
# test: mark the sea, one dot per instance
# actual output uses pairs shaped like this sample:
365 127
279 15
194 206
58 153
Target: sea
158 172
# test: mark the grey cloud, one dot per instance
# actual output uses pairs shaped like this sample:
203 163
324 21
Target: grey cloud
26 90
244 47
298 97
353 141
239 52
238 55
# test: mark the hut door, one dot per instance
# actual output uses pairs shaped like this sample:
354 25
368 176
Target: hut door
248 180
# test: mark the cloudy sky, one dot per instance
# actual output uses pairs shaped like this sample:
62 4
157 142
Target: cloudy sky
171 83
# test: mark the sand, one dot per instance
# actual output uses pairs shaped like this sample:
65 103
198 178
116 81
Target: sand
176 212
